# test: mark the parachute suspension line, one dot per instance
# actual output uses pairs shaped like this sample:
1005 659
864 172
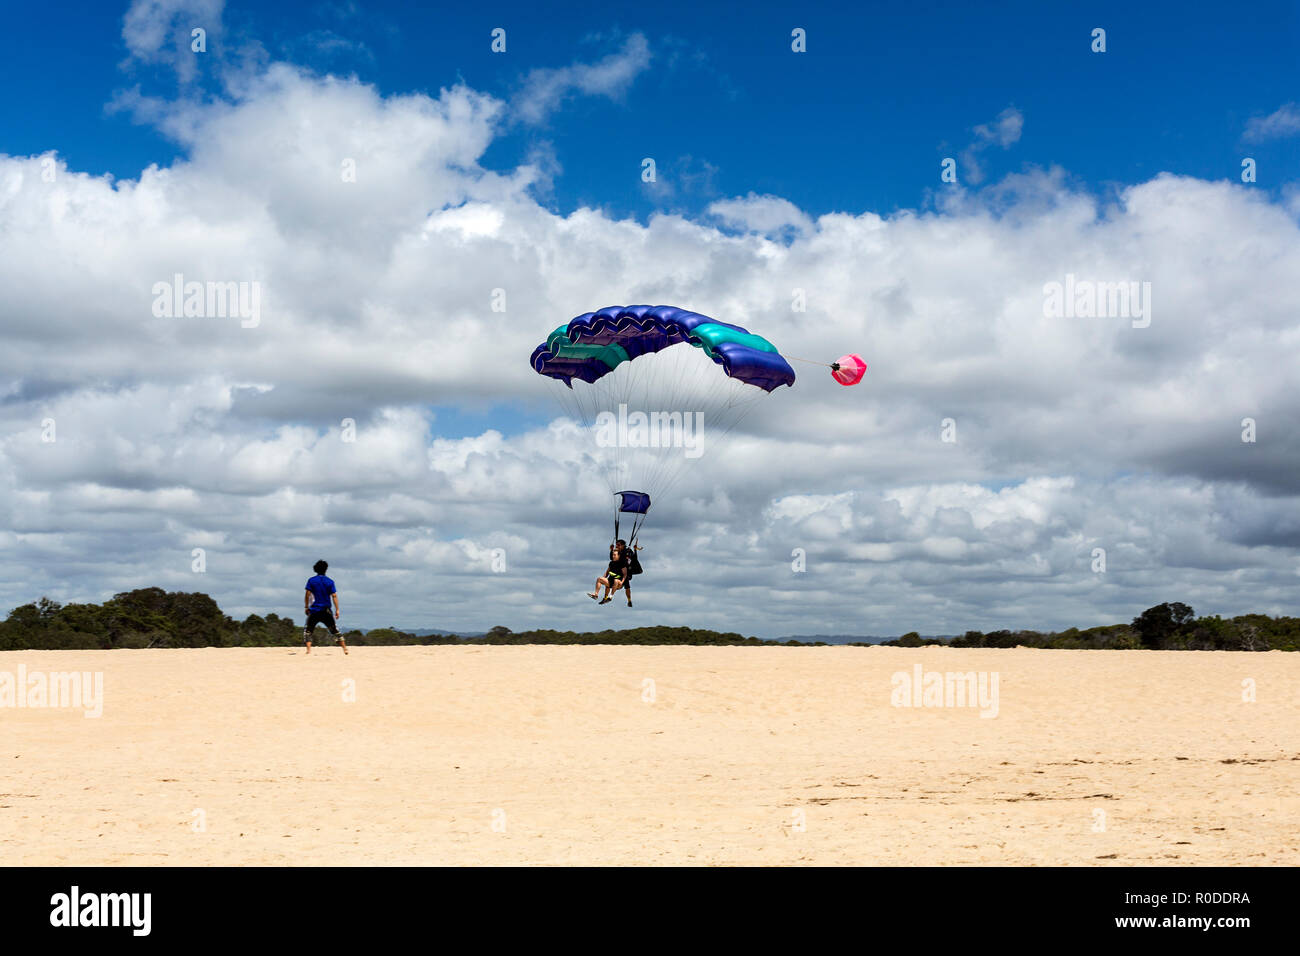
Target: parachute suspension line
733 400
720 405
580 405
795 358
670 381
681 404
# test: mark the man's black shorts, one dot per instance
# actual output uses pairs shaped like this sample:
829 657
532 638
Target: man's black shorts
325 617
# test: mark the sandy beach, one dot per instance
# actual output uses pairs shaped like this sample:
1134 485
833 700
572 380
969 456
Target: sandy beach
654 755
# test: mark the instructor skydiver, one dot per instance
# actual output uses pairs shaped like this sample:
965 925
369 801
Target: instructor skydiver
316 604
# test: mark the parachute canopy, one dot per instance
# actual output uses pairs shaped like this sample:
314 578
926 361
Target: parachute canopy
594 344
634 502
849 369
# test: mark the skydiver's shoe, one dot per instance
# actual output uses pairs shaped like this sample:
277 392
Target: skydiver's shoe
594 597
629 603
606 601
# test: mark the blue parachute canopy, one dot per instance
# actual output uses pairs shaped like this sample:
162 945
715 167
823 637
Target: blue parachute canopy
592 345
635 502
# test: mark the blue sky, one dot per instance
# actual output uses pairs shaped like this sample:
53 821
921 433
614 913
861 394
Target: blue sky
858 123
777 171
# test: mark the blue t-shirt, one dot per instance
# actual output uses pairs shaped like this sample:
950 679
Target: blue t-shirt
321 588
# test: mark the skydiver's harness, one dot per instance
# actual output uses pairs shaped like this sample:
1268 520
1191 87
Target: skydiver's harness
633 562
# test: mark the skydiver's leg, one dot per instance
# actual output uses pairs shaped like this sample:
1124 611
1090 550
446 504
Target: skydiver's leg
627 589
612 584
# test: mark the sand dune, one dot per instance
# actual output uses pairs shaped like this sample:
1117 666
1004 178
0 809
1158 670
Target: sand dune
558 755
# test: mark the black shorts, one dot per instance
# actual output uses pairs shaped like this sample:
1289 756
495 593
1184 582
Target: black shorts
325 617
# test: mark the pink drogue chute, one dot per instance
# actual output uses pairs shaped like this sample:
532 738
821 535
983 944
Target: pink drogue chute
849 369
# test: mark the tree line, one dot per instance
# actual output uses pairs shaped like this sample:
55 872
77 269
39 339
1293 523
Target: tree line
1165 627
152 617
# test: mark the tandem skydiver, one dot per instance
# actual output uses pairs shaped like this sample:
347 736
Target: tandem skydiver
623 564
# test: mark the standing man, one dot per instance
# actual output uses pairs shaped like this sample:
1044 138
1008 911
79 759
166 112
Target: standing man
316 602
